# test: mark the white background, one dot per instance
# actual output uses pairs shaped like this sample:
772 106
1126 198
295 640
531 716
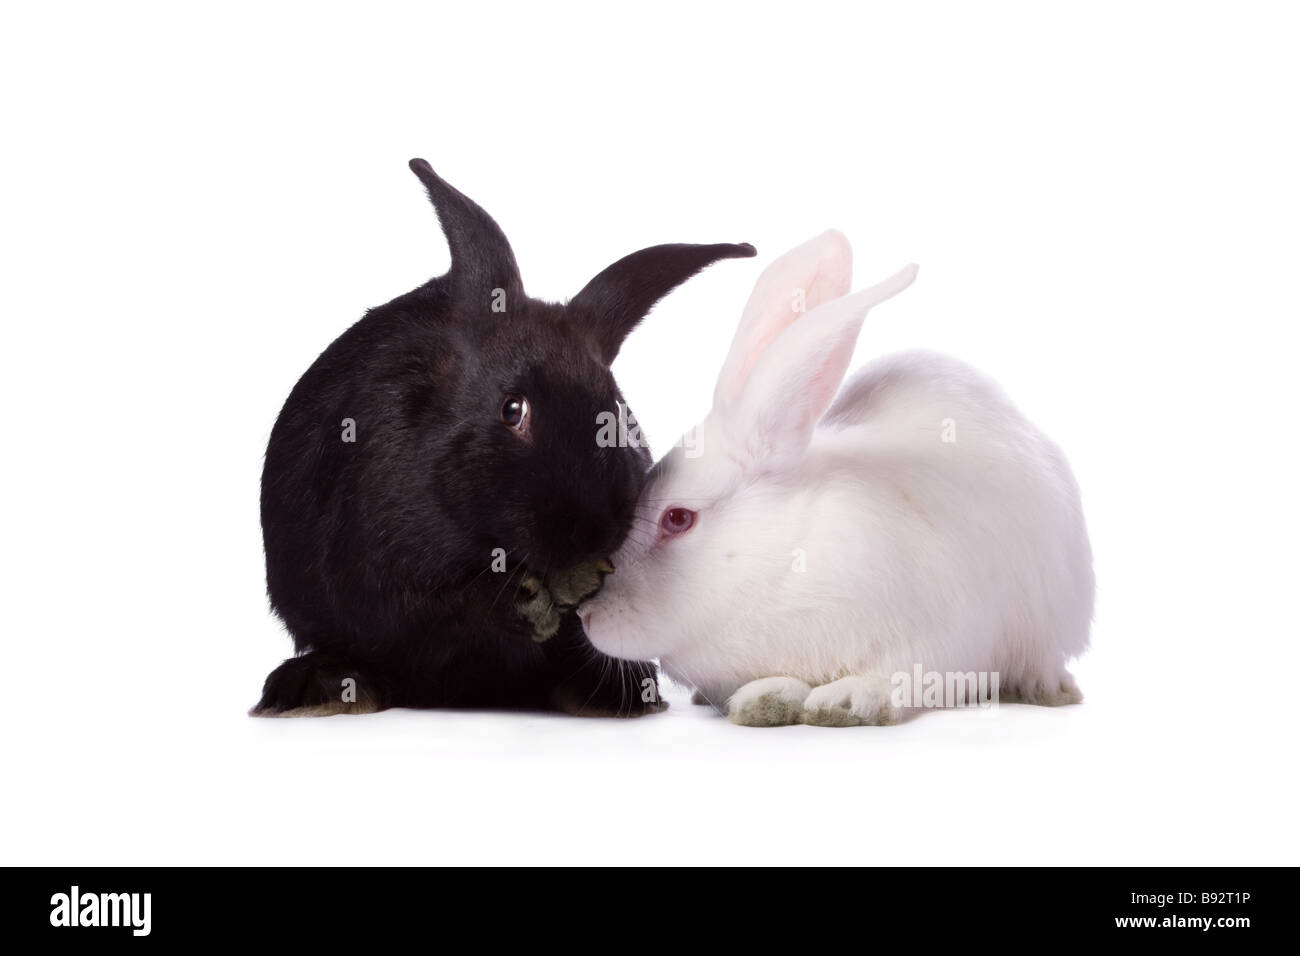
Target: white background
194 202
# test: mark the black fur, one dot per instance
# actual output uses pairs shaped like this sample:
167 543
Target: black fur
379 551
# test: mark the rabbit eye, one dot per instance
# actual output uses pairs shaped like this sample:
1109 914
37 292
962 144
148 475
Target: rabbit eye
514 412
677 520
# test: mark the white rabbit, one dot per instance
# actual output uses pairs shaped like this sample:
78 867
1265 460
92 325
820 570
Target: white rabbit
803 547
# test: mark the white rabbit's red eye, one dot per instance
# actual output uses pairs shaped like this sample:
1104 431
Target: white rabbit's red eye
677 520
514 412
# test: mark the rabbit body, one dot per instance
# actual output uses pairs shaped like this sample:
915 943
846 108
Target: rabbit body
436 475
915 521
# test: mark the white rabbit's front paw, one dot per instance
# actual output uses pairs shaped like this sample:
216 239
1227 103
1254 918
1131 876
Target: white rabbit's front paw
768 702
850 702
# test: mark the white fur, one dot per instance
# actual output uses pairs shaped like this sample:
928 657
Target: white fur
969 555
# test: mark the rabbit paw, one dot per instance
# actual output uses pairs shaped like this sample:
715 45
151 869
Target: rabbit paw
543 602
539 609
317 685
768 702
1043 692
850 702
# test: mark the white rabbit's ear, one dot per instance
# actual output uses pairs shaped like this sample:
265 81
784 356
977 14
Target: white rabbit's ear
818 271
796 379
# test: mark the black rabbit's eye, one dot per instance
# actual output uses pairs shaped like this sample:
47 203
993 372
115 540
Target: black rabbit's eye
514 412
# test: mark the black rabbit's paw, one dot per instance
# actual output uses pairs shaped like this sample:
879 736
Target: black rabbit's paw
543 602
538 608
318 685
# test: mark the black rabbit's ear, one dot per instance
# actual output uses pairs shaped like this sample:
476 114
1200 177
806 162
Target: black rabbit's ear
620 296
481 258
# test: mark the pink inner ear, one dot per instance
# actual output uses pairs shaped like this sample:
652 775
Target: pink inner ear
822 289
821 267
796 379
828 371
792 388
741 372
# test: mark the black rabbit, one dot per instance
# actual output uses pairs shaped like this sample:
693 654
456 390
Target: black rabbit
437 465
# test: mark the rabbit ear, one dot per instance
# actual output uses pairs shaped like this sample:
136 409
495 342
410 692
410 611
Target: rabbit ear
794 382
808 275
481 258
617 299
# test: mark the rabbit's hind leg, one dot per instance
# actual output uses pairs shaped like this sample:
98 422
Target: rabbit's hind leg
1045 692
321 684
